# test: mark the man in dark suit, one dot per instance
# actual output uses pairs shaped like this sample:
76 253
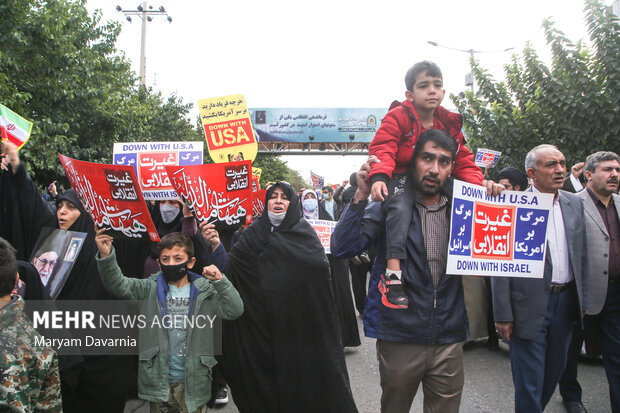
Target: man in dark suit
575 180
536 315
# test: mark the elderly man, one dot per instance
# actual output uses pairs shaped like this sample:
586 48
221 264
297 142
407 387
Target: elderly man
45 264
536 315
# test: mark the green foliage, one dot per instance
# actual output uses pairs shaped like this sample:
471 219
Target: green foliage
273 169
59 68
573 104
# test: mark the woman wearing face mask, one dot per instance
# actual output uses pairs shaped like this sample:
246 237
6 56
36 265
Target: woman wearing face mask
340 277
284 353
88 383
173 216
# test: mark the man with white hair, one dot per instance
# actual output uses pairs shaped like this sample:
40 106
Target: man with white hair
536 315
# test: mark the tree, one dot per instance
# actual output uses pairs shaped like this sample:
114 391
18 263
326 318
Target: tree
573 104
59 67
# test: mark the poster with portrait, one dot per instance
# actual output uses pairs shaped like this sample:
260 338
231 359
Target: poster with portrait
149 159
219 193
112 197
228 129
499 236
323 230
54 255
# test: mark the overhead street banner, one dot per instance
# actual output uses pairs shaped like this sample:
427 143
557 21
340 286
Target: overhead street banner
503 236
150 159
316 124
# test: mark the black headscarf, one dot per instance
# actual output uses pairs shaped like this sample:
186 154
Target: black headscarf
514 175
284 353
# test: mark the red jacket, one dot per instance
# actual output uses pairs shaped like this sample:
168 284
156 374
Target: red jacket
399 131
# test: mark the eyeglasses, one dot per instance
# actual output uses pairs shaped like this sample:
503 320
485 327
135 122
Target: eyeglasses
46 262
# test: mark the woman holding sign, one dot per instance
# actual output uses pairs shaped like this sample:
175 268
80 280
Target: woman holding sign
88 383
284 354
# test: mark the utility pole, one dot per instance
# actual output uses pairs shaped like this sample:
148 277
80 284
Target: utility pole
146 13
469 78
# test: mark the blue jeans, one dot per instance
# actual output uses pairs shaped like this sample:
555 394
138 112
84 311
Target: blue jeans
537 364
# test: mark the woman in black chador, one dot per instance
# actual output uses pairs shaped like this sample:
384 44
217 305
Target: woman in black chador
284 354
89 383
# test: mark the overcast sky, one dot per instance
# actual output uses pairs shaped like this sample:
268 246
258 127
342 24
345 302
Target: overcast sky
329 53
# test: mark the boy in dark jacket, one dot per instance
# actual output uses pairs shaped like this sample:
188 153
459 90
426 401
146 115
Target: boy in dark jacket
393 145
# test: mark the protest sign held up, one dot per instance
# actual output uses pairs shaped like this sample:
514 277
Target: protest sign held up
317 180
323 231
228 129
150 159
112 197
486 158
220 193
503 235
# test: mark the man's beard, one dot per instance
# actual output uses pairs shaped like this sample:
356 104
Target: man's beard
426 190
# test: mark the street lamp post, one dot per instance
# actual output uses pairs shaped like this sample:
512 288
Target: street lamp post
469 78
146 13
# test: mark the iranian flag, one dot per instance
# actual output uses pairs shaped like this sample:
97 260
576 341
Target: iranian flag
14 128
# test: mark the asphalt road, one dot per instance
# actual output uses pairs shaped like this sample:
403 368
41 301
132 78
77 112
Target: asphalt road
488 383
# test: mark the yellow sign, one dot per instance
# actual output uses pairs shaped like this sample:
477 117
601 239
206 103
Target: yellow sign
228 129
256 172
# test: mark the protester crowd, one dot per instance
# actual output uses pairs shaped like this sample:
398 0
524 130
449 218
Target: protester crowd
289 308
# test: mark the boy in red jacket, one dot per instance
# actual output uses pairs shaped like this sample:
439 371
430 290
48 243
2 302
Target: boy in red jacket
393 145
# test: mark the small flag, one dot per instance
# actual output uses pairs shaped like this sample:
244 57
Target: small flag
14 128
317 180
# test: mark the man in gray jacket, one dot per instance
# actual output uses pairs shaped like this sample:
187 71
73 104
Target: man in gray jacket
602 213
536 315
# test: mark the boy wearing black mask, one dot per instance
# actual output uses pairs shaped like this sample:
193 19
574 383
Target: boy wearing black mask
177 379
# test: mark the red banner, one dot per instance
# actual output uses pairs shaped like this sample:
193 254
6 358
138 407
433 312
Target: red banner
112 197
323 231
258 203
220 193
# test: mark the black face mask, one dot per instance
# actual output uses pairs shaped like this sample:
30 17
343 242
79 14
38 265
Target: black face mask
174 273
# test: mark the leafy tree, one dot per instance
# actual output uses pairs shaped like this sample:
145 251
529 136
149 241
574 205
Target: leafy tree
573 104
59 67
273 169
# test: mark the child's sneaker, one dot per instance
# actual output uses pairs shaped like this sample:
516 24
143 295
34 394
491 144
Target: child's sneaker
392 291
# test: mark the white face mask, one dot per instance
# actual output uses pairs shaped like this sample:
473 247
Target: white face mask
276 218
310 204
169 212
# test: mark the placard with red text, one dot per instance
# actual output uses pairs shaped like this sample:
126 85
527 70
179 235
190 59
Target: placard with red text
502 235
220 193
112 197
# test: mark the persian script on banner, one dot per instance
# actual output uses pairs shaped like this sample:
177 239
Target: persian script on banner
228 129
501 236
112 197
220 193
323 231
258 202
150 159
